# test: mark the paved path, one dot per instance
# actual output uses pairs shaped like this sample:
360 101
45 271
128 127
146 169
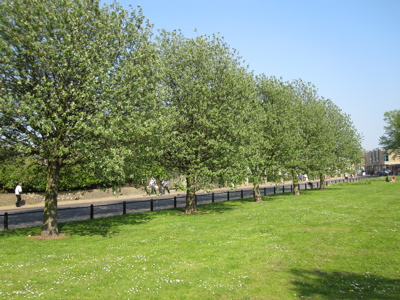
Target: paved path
111 199
31 215
74 203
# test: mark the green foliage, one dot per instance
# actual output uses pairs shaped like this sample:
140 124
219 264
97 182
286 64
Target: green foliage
208 107
86 97
76 87
302 133
28 171
278 140
391 140
33 175
70 86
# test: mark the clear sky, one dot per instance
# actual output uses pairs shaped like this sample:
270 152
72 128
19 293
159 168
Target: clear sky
349 49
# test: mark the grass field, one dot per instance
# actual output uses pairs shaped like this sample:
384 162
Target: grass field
341 243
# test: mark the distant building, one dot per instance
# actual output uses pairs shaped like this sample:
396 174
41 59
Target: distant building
379 160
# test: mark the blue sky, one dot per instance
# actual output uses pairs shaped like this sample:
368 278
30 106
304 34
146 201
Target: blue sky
349 49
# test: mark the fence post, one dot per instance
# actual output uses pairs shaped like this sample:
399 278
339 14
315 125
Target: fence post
274 190
212 198
265 191
124 208
291 187
305 186
151 205
227 195
241 194
283 189
195 199
175 202
91 211
5 221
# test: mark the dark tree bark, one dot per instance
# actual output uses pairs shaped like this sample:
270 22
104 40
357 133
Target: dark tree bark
322 181
296 190
190 196
257 194
50 223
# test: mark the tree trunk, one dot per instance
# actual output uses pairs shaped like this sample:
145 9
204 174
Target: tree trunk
295 181
257 194
322 181
256 179
50 222
190 196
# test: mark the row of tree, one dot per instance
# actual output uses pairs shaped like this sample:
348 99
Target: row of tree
93 86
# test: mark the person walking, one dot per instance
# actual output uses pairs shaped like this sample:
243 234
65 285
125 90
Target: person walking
18 192
152 185
164 184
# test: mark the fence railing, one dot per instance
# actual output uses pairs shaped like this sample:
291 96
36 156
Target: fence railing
32 218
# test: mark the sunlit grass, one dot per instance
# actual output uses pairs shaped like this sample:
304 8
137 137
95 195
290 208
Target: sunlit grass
342 243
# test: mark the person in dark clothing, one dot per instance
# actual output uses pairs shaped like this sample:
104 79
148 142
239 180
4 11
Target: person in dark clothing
164 184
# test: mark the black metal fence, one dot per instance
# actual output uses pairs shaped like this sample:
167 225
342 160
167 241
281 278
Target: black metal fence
33 217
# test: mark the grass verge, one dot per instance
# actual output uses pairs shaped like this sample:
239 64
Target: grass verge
341 243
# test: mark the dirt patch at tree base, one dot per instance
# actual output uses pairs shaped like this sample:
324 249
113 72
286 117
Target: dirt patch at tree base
45 238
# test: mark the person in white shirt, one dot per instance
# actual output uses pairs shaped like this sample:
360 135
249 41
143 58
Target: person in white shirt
18 192
152 185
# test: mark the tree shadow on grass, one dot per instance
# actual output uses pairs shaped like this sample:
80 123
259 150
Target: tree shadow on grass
103 226
222 207
29 231
106 227
316 284
274 197
109 226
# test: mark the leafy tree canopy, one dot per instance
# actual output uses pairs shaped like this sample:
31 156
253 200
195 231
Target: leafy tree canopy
391 139
76 85
209 103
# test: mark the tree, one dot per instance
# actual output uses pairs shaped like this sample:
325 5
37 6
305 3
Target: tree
391 140
76 84
209 103
341 141
293 161
330 139
274 139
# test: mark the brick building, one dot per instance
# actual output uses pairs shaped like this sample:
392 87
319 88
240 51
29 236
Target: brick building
379 160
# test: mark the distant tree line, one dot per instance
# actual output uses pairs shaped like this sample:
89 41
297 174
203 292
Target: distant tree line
90 94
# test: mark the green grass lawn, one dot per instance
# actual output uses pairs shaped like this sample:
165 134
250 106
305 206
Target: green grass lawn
341 243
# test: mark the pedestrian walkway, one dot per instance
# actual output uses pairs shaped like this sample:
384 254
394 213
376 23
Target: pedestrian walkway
121 198
67 203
